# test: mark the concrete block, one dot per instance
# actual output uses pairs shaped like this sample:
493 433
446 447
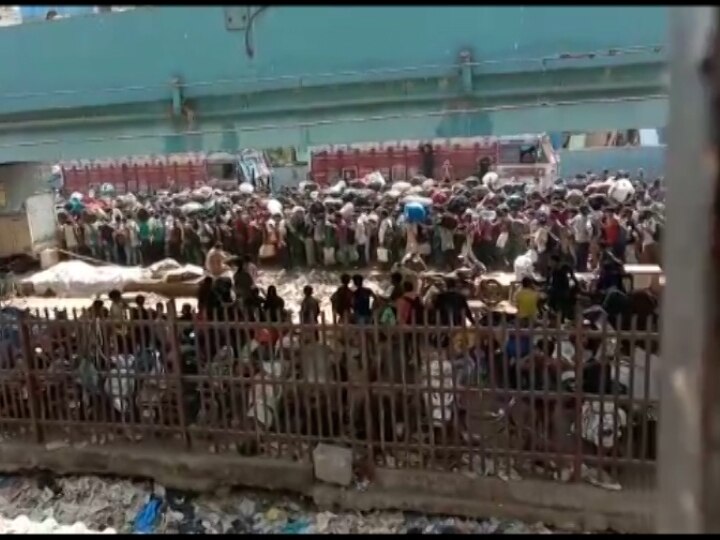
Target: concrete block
333 464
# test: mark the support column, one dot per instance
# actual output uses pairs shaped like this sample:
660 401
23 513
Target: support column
690 338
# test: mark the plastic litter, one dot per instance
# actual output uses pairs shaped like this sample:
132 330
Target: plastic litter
296 527
148 516
91 505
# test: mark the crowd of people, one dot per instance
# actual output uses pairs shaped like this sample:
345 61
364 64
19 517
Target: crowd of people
365 222
547 237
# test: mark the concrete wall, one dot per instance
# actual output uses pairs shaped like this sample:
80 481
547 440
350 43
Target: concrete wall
20 180
565 505
289 176
649 158
316 44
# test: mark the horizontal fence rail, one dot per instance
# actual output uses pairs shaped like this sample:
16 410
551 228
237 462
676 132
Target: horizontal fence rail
573 401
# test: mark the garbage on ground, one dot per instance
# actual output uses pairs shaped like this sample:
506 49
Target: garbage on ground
86 505
148 516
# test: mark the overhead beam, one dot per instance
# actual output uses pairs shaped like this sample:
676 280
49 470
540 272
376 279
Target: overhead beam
490 89
317 128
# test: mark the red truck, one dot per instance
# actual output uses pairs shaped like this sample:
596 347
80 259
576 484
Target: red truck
524 157
152 173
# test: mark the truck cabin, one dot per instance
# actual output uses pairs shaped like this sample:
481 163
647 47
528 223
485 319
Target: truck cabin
224 168
527 159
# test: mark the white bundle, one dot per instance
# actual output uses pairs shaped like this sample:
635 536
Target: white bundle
401 187
493 181
375 178
189 208
202 193
425 201
524 264
337 189
274 206
621 190
347 210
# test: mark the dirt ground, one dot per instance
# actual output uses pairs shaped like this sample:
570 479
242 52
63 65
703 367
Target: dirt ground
289 286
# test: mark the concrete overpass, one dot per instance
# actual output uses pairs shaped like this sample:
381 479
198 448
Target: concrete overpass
175 79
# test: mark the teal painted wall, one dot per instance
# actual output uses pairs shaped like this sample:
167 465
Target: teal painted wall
146 47
89 86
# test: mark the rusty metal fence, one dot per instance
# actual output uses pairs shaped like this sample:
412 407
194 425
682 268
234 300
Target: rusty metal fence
570 402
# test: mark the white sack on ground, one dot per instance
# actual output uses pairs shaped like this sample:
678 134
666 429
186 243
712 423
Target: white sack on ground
79 279
524 265
171 270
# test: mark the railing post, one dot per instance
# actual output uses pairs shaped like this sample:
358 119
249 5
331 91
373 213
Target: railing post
689 461
28 356
176 365
576 332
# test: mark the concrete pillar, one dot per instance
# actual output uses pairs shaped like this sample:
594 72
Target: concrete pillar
687 468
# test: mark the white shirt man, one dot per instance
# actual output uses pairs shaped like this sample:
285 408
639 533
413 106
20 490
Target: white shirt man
385 224
648 229
581 228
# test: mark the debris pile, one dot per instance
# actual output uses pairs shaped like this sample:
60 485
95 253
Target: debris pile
86 505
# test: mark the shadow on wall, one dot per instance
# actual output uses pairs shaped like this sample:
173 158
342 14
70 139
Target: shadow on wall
289 176
465 125
649 158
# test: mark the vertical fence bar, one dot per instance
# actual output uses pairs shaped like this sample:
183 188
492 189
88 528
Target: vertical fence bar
578 401
29 376
176 365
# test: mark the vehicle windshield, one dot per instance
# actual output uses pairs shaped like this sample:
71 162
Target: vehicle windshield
223 171
522 154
